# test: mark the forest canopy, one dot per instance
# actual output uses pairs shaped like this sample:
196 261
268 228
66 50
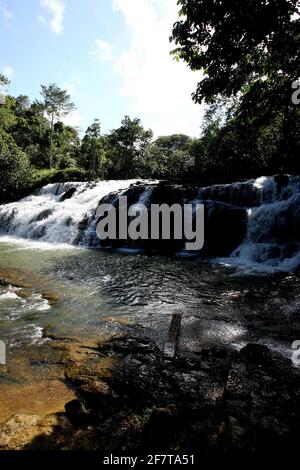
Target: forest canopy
247 56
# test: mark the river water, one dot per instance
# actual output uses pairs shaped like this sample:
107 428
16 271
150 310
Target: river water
83 293
54 288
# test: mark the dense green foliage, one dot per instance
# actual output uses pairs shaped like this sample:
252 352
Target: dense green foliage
126 146
56 104
14 165
238 43
248 52
39 137
248 55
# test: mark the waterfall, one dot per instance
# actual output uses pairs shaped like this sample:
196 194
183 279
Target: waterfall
272 242
59 212
253 224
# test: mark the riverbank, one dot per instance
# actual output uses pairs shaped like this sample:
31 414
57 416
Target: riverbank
131 398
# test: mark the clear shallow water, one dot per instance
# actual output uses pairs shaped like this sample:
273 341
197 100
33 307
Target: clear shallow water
98 292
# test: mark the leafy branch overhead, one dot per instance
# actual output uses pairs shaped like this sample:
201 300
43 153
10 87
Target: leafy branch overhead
247 56
235 43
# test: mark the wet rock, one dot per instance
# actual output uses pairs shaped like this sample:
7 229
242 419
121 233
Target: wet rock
225 228
68 194
217 399
24 294
15 279
42 216
281 180
77 413
132 398
22 429
69 221
81 229
225 224
39 232
3 282
238 194
51 297
84 223
165 193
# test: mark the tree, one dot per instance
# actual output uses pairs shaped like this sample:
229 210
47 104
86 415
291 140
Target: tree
57 104
236 43
22 104
125 146
174 142
30 129
7 114
92 154
161 162
66 145
248 50
14 168
4 83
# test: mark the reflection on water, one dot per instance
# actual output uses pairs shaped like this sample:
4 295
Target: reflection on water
91 288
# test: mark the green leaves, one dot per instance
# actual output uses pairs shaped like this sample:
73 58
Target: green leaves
233 41
125 146
92 156
57 103
14 168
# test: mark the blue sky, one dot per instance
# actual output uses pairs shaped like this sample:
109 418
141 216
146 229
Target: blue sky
111 55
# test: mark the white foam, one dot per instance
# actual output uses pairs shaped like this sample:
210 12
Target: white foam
48 219
9 296
24 243
38 303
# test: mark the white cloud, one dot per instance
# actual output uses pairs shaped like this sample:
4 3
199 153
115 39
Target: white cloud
160 88
8 71
55 8
7 14
72 86
73 119
104 50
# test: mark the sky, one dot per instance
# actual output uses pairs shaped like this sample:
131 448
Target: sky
111 55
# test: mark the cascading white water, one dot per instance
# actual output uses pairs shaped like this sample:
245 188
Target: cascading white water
272 242
48 217
65 213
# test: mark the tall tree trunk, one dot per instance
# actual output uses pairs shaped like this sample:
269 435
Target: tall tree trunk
51 143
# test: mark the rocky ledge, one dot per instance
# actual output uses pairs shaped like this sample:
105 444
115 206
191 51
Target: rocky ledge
131 397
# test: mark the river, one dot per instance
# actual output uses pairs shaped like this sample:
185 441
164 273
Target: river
61 290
